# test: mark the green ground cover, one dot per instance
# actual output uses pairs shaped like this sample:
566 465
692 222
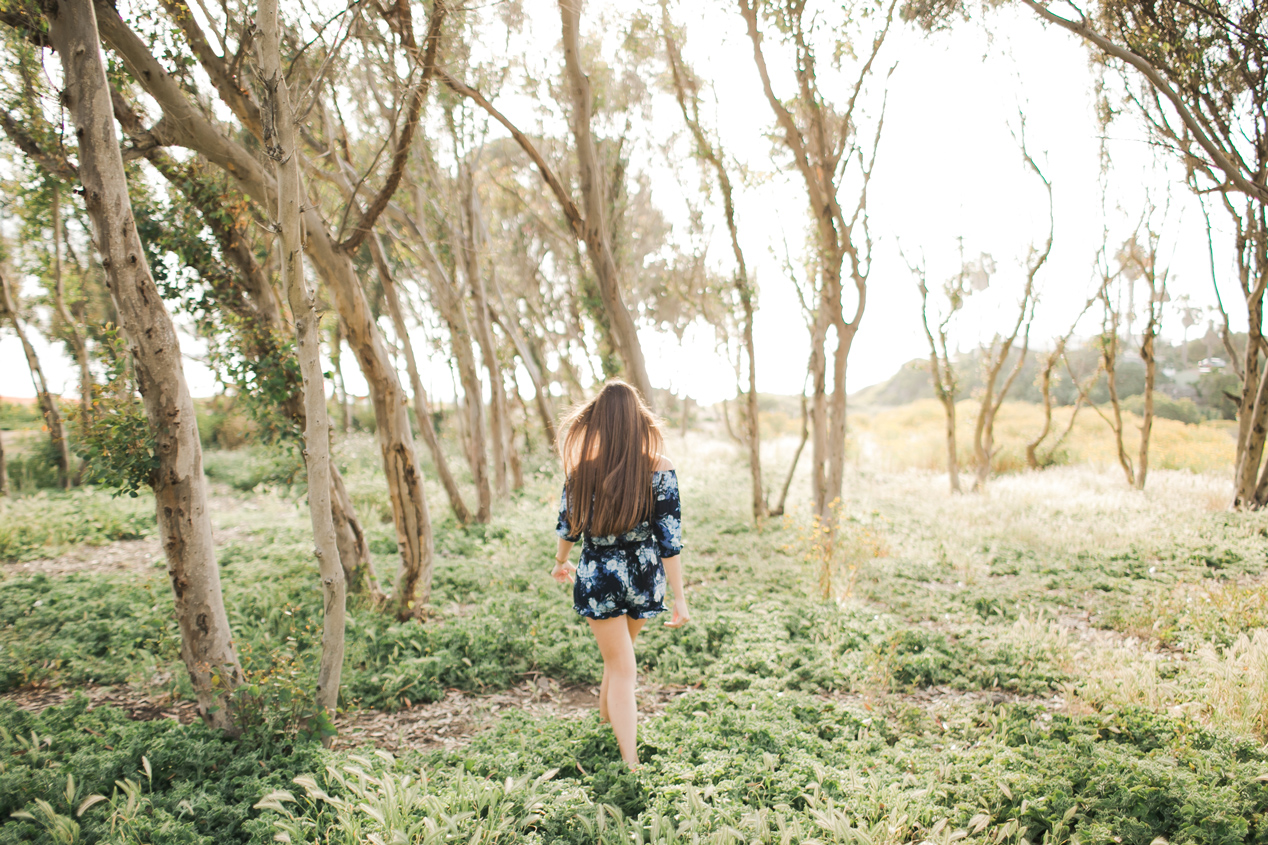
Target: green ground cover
1056 660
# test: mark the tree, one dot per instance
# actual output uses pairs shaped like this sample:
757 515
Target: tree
243 301
687 91
1049 363
179 486
9 307
186 125
825 141
422 408
941 367
280 145
592 229
1136 260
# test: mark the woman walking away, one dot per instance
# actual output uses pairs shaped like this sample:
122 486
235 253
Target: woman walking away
621 495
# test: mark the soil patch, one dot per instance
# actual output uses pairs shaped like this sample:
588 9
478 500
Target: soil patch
139 704
135 557
459 716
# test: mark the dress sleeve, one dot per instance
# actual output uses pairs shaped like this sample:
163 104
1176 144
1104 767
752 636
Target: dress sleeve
668 518
561 528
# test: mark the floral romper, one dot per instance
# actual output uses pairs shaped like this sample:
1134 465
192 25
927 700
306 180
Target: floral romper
621 574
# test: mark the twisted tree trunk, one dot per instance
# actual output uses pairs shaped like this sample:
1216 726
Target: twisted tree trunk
179 487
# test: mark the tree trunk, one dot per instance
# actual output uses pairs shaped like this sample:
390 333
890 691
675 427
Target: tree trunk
594 228
837 419
48 403
422 410
819 417
341 389
1045 390
396 443
266 321
484 335
512 452
1109 355
179 487
953 461
1147 413
1252 413
726 419
281 147
984 445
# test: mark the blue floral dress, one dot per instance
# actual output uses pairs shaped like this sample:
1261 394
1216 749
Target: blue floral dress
621 574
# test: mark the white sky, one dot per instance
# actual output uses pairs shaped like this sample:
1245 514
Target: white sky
948 168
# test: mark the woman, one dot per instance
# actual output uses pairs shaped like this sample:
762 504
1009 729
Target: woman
621 495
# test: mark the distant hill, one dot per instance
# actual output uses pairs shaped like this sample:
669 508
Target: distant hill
1197 393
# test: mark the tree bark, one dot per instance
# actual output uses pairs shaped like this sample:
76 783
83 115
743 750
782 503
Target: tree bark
279 143
941 369
1147 412
179 487
48 403
1109 360
265 319
422 409
396 443
1045 391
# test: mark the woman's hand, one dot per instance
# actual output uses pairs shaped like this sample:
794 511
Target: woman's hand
681 615
564 573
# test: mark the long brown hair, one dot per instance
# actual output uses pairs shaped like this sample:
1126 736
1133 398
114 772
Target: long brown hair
609 449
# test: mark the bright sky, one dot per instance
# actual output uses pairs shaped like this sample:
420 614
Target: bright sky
948 168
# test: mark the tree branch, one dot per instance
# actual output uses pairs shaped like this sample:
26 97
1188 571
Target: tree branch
1221 159
406 138
548 176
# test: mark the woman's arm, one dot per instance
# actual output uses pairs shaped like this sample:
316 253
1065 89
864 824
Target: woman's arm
673 572
563 571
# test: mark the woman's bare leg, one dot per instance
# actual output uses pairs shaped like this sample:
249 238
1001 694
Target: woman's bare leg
619 669
634 625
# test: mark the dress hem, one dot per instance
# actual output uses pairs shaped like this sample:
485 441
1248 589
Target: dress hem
633 614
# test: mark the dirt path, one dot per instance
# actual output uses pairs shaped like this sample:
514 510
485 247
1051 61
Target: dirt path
459 716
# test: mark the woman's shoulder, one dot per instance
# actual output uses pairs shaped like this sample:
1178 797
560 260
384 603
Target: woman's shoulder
662 464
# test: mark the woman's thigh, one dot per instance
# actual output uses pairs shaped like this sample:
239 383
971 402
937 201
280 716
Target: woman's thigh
615 642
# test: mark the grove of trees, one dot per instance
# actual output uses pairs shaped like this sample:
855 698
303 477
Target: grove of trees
288 180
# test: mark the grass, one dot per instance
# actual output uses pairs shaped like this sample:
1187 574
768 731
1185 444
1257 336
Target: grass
1056 659
46 524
